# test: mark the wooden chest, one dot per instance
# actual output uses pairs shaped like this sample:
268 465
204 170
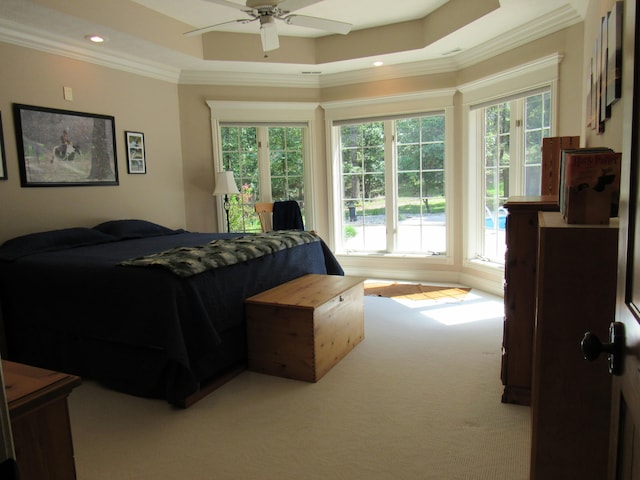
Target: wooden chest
302 328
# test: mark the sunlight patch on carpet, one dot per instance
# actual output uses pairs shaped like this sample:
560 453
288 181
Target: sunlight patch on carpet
416 291
475 309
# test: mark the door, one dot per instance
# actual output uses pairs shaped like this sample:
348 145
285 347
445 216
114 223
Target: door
624 453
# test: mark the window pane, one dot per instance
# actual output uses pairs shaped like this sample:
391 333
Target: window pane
408 157
408 130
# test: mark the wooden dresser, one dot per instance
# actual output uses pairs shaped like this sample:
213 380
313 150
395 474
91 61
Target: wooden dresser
37 401
571 397
519 294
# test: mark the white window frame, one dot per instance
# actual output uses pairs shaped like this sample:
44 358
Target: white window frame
372 108
501 87
266 113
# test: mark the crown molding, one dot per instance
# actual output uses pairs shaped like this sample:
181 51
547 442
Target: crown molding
244 79
555 21
18 35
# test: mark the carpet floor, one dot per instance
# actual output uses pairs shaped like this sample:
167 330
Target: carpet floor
419 398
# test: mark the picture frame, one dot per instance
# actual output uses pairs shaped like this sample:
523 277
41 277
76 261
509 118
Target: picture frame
614 53
3 157
136 156
605 109
59 148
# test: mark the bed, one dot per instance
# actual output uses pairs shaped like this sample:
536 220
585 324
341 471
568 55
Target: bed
75 300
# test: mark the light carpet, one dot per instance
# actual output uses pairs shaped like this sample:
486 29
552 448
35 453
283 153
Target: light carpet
419 398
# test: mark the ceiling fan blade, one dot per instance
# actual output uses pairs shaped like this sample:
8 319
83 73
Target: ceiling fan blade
200 31
292 5
237 6
332 26
269 34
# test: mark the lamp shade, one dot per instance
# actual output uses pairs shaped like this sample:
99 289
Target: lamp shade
225 184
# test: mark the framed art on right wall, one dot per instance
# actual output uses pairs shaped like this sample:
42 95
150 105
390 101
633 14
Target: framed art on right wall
136 157
3 161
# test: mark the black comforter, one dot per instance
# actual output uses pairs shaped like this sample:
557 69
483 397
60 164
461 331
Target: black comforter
145 331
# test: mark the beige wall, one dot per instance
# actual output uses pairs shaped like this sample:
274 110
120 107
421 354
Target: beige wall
137 103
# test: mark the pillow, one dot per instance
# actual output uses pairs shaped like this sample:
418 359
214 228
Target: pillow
51 241
124 229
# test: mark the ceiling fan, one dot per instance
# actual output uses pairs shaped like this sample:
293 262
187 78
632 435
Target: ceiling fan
268 11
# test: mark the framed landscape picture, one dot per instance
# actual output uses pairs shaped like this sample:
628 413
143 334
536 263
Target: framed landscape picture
58 148
136 158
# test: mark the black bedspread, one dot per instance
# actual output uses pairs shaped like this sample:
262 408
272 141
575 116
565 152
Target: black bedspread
144 331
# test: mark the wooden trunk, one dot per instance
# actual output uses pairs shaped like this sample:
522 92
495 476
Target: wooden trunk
302 328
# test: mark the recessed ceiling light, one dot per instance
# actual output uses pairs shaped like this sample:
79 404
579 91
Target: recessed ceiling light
96 38
378 64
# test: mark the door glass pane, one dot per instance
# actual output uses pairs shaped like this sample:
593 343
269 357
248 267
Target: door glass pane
497 142
420 184
240 155
536 128
363 223
286 158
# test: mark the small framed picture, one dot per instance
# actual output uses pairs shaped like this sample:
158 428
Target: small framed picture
3 161
136 158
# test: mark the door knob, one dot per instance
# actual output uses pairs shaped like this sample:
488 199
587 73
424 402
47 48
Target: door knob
592 347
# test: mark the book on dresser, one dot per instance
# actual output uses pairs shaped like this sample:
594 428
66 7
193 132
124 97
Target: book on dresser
590 185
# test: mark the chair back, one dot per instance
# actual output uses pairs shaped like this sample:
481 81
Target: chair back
287 216
265 214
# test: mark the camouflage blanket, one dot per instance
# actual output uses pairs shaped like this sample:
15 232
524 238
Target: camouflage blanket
187 261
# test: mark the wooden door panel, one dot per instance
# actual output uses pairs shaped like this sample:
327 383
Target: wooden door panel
624 454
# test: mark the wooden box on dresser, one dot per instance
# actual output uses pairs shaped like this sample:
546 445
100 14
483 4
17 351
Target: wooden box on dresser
576 290
519 294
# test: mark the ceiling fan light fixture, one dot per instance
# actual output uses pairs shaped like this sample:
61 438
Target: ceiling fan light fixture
269 34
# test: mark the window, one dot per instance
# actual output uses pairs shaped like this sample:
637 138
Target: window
392 173
268 147
268 165
511 161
